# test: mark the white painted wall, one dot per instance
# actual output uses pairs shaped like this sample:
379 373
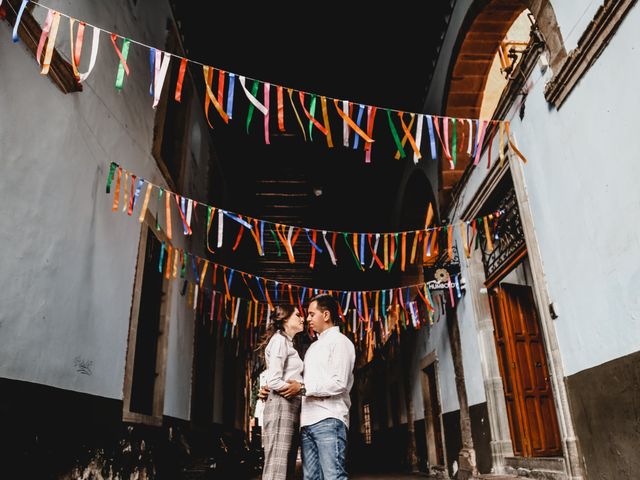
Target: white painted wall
582 184
68 261
436 339
573 17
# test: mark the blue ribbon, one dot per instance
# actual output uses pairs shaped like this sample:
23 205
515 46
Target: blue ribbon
304 292
195 269
432 138
18 18
358 121
407 300
152 64
261 290
276 289
313 244
232 83
137 194
476 138
362 249
458 292
230 277
384 303
262 236
238 219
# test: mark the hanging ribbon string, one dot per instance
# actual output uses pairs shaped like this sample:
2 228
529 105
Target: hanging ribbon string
280 100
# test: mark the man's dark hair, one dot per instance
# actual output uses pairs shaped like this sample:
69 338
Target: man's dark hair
327 303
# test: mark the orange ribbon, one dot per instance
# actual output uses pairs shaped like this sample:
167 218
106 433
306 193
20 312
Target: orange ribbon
114 37
512 145
407 135
325 116
46 63
352 124
168 213
116 193
209 97
279 91
181 72
77 50
317 124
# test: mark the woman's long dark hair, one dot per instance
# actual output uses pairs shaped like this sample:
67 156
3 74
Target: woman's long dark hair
279 315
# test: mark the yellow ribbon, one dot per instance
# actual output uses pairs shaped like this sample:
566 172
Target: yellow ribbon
295 110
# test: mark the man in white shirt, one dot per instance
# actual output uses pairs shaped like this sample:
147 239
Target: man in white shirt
328 378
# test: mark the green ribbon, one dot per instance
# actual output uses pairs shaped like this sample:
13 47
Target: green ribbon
161 258
183 270
454 146
312 111
120 75
275 237
395 235
394 133
254 92
479 226
355 257
112 169
158 209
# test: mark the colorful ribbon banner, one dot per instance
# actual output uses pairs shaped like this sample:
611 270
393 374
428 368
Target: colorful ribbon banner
448 131
366 249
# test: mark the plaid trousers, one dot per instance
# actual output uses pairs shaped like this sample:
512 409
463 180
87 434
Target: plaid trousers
280 436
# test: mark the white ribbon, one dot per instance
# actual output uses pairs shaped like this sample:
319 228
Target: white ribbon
220 226
418 138
162 66
94 53
329 249
345 125
235 316
195 298
251 98
189 210
470 137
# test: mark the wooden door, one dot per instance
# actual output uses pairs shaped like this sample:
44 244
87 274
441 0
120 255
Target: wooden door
523 367
432 415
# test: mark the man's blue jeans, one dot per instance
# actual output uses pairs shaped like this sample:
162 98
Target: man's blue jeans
324 448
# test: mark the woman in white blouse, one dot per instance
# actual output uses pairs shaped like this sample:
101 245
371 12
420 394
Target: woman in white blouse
281 416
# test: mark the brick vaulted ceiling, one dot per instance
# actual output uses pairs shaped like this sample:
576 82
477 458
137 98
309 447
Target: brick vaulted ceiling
470 72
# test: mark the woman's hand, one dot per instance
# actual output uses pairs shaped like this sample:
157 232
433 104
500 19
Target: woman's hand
292 390
263 393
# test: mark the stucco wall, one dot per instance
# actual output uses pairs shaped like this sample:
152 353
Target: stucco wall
68 261
581 181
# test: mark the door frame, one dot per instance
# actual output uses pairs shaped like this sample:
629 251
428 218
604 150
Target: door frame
502 447
432 456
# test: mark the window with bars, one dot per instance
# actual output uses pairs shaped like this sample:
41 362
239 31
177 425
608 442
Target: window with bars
367 423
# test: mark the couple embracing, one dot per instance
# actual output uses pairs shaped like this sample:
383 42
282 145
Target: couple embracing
307 402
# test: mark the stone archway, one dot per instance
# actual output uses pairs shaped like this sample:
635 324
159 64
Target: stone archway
477 48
